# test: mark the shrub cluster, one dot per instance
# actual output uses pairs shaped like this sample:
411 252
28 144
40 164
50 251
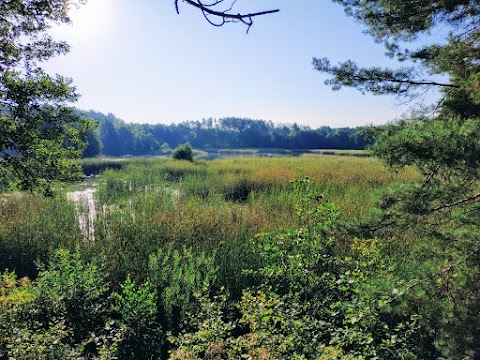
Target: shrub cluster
183 152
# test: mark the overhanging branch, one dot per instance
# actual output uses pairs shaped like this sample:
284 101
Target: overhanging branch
416 82
224 15
379 81
472 198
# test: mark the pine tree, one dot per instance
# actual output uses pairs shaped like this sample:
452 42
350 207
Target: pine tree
442 142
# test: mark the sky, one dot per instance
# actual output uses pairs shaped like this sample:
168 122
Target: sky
145 64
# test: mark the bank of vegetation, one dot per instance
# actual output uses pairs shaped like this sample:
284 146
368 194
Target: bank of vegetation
225 259
115 137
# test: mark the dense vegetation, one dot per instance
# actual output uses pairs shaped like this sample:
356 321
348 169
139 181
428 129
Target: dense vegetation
227 256
117 138
183 152
231 258
441 141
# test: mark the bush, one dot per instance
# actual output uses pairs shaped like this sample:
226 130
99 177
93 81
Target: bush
62 315
137 310
312 302
177 275
183 152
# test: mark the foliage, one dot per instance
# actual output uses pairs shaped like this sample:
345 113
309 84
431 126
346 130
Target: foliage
441 142
170 258
61 315
309 303
152 202
169 236
120 138
94 144
397 22
137 309
177 276
40 135
166 148
183 152
74 290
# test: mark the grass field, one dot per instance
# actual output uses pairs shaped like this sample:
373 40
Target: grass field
143 203
224 226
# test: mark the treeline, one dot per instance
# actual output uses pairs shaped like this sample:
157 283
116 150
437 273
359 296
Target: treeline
114 137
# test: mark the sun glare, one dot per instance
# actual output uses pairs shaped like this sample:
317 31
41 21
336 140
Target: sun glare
92 20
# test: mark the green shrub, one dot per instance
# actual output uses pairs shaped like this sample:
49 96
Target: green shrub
63 315
309 302
183 152
137 309
177 276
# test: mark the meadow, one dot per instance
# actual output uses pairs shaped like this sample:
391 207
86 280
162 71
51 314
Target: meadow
242 257
144 203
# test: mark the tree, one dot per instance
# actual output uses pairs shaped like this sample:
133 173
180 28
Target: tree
445 145
183 152
94 144
40 135
395 22
442 142
165 148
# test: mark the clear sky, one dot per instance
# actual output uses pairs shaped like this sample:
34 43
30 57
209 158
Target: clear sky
144 63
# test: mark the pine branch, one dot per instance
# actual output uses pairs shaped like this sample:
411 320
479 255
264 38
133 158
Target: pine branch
408 82
456 203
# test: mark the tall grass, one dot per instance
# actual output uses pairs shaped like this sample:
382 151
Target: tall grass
31 227
173 225
209 205
96 166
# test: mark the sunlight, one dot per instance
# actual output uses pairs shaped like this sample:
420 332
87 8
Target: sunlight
92 20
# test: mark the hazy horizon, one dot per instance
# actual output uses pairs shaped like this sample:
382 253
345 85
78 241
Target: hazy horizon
146 64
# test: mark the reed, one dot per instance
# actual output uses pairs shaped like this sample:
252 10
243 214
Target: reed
216 205
95 166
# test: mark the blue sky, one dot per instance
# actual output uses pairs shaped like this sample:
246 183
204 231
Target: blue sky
144 63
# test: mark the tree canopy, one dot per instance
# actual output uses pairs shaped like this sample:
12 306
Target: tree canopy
442 141
223 133
40 134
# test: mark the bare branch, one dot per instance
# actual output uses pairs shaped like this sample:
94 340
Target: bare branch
224 16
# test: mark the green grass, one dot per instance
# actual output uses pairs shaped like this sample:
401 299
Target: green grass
170 225
96 166
148 202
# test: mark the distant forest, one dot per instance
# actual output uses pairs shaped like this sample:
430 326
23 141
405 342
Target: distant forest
114 137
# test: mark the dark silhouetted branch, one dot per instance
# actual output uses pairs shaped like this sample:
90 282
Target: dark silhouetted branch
224 16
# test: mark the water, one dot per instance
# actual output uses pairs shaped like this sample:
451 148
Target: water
85 211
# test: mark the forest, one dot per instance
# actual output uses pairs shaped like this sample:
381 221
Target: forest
114 137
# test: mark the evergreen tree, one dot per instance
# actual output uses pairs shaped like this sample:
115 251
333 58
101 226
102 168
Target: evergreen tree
443 143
